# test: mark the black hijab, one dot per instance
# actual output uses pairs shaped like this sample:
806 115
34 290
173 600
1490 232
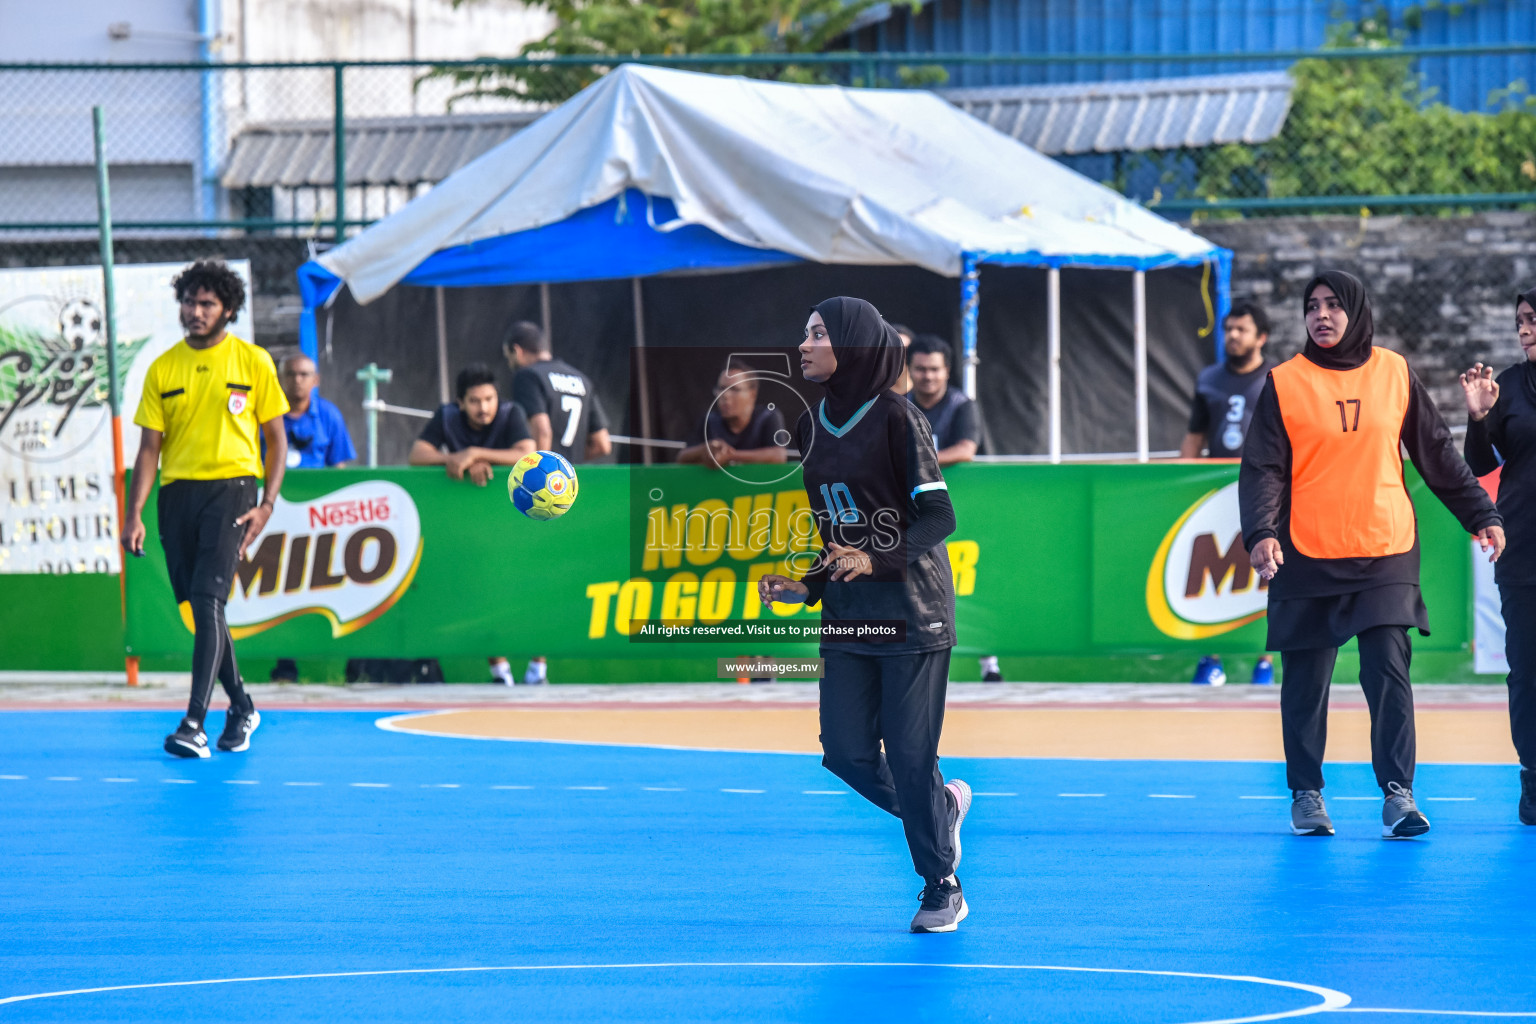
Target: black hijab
1528 370
869 355
1354 349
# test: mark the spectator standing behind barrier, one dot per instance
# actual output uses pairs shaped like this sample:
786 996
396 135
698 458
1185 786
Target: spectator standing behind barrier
736 431
469 438
205 401
1501 428
317 439
564 414
951 416
1226 394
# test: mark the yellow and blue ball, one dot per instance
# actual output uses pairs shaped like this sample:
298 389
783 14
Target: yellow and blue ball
542 485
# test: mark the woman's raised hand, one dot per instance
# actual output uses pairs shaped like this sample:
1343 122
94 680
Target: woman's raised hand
1481 390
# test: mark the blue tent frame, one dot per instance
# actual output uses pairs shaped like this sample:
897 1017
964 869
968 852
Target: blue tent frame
613 241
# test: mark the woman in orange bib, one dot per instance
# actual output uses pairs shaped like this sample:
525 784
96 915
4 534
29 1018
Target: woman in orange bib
1327 518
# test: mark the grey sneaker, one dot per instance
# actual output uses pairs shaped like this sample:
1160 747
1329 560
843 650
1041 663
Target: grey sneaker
1527 796
959 804
1400 816
1308 815
943 907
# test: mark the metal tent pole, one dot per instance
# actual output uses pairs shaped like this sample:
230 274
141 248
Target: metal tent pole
114 390
1139 303
970 312
1053 357
643 391
444 393
544 313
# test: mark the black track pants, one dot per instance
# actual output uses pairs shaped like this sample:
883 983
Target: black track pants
898 700
1385 654
1519 605
202 550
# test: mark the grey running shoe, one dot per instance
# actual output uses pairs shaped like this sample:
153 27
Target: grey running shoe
959 804
238 726
1308 815
943 907
1400 816
1527 796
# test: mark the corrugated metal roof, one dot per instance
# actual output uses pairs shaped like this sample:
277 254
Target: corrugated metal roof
1111 117
400 151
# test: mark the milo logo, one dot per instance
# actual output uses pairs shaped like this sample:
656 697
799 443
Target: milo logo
1201 583
347 556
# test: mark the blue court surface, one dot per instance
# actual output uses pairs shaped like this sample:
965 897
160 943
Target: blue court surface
342 872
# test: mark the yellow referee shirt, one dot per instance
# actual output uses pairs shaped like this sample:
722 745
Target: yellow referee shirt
210 404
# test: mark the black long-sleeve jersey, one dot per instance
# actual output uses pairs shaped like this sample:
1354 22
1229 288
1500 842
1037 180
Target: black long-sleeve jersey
1509 431
874 484
1264 495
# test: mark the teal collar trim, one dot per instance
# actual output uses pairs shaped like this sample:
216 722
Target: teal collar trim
853 421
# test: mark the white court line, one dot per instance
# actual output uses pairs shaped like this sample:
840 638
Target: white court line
114 779
664 789
1170 796
63 778
242 782
511 787
592 788
982 793
1276 797
369 785
829 792
439 785
303 783
390 724
16 778
1354 798
743 791
181 782
1080 794
1505 1014
1450 799
1332 999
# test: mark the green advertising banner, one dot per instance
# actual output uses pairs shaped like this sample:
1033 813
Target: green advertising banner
1065 572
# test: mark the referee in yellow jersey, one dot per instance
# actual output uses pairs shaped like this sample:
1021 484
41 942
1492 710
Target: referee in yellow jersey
207 403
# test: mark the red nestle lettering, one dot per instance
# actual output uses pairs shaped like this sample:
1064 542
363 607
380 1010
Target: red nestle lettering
349 513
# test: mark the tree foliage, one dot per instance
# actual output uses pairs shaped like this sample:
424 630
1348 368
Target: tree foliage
1370 126
600 29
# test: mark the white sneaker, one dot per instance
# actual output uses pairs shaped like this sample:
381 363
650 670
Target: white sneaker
501 672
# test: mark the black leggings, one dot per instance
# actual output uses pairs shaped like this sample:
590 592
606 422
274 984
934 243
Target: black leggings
213 654
1385 654
897 700
1519 606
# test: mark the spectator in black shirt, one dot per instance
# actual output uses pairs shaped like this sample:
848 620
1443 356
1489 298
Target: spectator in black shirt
736 431
472 436
1501 428
478 432
951 415
564 414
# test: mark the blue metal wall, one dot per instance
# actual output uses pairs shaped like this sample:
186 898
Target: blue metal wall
1176 27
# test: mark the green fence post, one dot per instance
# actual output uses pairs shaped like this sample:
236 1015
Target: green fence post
372 376
339 130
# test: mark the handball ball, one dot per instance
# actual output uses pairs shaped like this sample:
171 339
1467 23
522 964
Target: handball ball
542 485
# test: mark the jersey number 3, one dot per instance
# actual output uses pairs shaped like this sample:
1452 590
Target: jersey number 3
840 503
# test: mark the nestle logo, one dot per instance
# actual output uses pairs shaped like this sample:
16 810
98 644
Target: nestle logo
349 513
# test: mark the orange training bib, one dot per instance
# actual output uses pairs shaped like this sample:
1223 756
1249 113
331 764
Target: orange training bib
1347 494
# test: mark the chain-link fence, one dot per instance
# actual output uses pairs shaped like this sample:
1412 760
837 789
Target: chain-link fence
259 149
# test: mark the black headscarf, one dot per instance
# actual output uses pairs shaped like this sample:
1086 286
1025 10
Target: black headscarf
1354 349
869 355
1528 369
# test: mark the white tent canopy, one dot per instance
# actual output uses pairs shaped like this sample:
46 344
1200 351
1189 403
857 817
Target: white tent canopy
820 173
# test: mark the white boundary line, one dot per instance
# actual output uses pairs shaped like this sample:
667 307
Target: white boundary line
392 723
1332 1000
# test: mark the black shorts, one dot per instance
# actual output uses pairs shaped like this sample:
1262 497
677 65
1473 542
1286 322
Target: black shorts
199 535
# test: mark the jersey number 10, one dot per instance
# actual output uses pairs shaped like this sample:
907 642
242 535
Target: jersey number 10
840 503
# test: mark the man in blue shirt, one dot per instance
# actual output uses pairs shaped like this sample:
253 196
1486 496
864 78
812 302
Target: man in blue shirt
317 439
317 435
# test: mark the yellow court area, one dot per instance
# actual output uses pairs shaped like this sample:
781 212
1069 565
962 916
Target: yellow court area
1458 736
